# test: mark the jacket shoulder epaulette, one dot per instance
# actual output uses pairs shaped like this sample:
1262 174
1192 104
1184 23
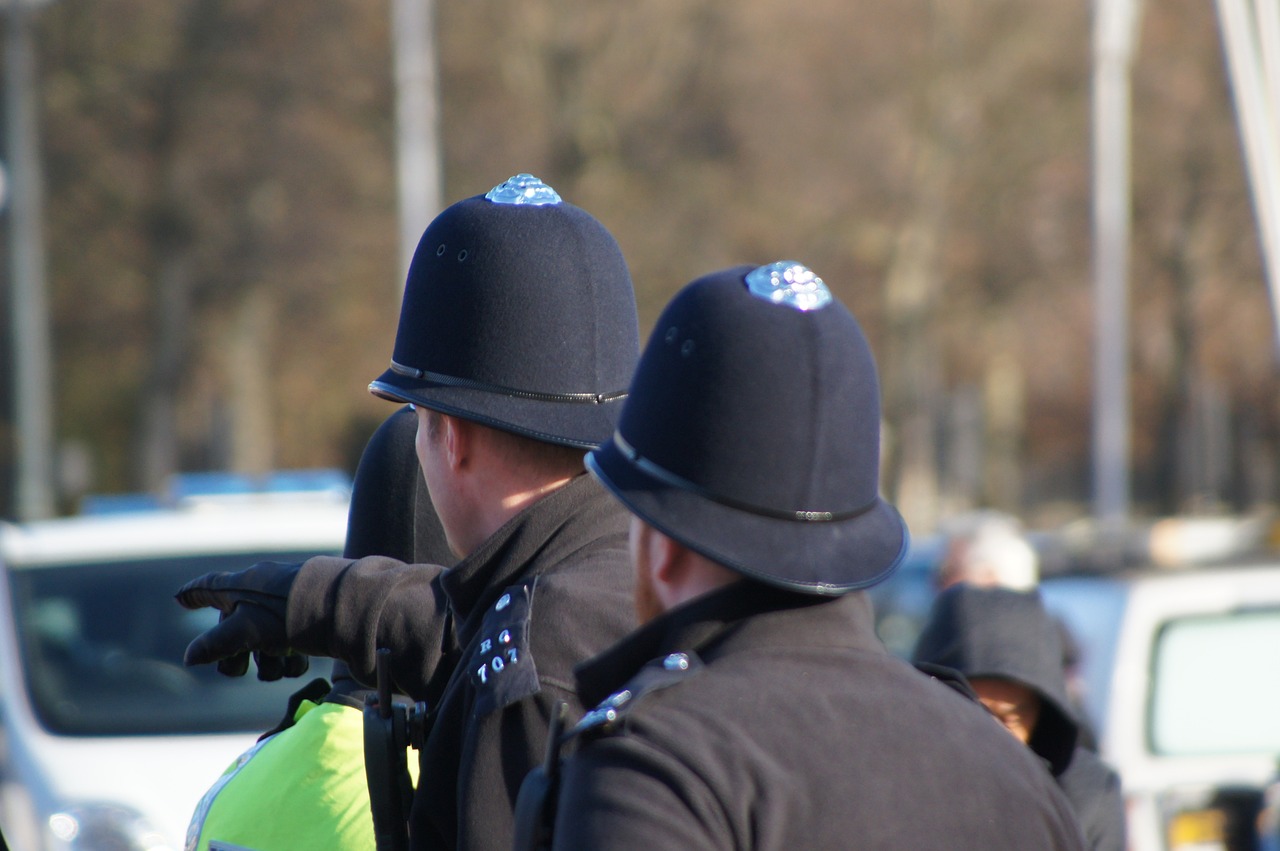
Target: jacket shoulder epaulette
535 804
658 674
500 664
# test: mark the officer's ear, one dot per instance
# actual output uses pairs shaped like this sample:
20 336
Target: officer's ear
667 558
655 556
459 438
650 550
679 574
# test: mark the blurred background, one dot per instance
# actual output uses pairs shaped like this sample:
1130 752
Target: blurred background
220 189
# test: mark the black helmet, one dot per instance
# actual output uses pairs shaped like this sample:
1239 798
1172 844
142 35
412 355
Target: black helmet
519 314
752 433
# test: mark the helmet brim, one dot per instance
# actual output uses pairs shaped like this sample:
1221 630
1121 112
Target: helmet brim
826 558
579 424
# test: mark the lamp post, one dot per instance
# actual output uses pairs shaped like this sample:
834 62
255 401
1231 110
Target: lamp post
1251 42
1114 31
417 122
29 308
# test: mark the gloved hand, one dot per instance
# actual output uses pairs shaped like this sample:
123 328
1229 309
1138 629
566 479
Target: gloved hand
252 603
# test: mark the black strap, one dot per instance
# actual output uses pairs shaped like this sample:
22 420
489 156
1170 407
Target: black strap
313 691
535 812
390 729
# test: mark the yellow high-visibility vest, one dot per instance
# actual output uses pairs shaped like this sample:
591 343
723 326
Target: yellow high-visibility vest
303 787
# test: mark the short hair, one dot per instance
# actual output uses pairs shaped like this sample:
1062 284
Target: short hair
526 452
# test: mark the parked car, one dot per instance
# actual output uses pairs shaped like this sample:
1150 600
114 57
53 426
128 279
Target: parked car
1178 676
106 740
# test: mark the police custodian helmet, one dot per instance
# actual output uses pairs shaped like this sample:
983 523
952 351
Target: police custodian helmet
752 433
519 314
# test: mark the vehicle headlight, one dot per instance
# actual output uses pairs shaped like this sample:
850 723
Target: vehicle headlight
104 827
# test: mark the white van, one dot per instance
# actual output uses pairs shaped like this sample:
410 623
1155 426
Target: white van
1180 680
106 739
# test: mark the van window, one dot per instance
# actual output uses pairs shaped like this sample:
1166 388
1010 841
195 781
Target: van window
102 648
1215 687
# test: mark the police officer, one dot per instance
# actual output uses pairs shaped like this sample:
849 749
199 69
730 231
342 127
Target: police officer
303 785
756 707
517 339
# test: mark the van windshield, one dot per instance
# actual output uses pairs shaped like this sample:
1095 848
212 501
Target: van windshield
1214 688
102 647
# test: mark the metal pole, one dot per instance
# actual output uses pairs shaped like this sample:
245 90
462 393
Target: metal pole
30 313
1252 47
1114 28
417 122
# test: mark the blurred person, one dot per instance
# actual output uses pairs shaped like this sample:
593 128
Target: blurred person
755 707
517 338
988 548
1008 648
303 785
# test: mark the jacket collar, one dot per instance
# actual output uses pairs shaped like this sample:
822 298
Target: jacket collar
570 518
745 613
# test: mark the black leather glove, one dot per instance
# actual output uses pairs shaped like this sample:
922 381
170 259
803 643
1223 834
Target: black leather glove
253 604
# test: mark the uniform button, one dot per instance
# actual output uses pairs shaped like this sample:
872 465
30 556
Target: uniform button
599 715
676 662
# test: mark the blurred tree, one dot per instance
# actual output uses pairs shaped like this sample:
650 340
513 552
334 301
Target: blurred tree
1202 322
223 170
221 216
